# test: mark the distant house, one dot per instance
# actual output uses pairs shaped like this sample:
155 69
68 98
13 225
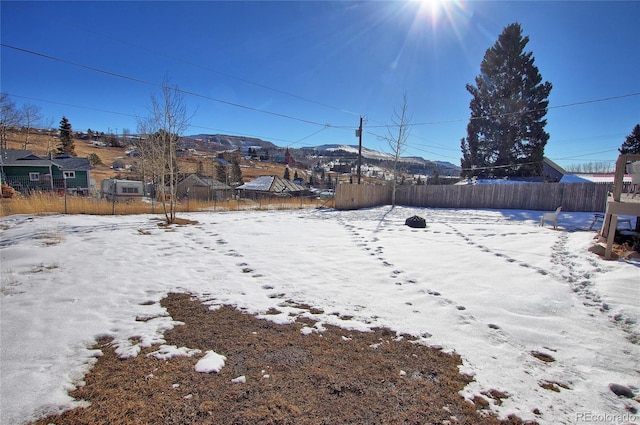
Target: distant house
341 168
600 177
203 188
265 186
27 172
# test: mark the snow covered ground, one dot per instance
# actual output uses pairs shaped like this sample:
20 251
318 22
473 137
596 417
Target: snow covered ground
490 285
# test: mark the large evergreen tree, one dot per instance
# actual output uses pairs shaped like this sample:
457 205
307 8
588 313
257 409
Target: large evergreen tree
505 134
631 145
66 146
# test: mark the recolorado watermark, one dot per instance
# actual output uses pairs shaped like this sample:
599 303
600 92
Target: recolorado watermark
607 418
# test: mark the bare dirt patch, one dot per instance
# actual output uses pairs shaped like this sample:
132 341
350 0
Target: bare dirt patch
334 377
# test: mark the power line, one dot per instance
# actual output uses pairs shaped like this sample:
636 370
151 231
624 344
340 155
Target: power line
566 105
323 125
225 74
230 132
190 93
588 154
73 106
310 135
492 167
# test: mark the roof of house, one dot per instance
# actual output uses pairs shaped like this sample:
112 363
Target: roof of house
73 163
474 181
573 178
553 165
204 181
274 184
602 177
24 158
20 158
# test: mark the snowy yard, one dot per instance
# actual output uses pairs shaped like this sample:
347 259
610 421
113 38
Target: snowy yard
490 285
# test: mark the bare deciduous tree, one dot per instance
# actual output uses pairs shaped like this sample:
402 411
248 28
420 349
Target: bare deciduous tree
160 132
31 117
10 117
398 143
51 133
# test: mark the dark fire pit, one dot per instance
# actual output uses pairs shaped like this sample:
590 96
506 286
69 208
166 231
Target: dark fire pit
416 222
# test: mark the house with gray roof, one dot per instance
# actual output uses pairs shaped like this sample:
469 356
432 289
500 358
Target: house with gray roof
27 172
203 188
266 186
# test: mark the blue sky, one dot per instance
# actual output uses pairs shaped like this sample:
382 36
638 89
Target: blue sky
301 73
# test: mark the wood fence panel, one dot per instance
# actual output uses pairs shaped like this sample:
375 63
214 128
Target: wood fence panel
589 197
356 196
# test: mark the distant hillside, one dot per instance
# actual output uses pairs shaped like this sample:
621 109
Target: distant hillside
309 155
410 164
222 142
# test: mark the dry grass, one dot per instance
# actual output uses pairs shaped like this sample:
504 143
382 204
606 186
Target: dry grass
51 204
45 204
336 377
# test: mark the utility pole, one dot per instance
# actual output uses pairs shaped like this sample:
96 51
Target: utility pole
359 149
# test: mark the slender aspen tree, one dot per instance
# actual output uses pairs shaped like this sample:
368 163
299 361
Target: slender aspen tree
398 143
160 133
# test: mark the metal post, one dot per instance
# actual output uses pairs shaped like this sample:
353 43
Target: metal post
113 197
64 179
359 149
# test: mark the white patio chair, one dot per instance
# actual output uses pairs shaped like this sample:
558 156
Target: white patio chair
552 217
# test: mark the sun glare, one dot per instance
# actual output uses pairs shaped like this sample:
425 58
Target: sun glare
432 9
439 12
450 16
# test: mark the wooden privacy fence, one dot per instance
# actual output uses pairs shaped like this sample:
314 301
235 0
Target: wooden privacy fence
589 197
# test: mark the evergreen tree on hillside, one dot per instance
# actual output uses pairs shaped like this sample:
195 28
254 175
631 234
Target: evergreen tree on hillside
505 134
287 174
222 173
66 146
631 145
435 177
236 172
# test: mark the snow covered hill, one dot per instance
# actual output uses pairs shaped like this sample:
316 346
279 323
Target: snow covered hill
413 164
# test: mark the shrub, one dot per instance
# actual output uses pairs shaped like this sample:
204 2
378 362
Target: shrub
94 159
8 191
